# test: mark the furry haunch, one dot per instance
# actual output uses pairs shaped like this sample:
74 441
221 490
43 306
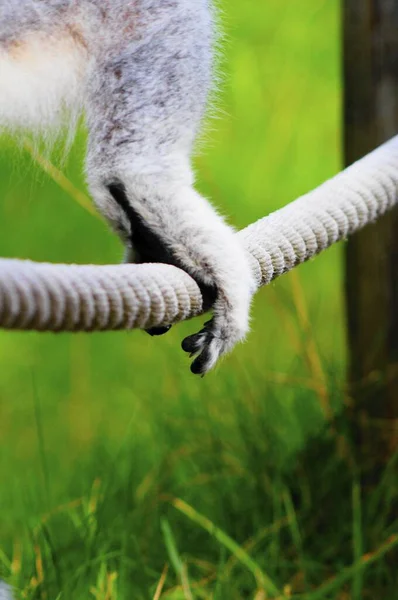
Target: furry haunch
140 70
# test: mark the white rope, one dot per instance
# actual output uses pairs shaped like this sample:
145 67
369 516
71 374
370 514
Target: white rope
49 297
5 591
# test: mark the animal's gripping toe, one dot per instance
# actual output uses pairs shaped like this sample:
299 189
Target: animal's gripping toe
196 342
209 345
204 345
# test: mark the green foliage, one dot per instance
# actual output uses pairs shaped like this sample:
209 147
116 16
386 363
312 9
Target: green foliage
123 476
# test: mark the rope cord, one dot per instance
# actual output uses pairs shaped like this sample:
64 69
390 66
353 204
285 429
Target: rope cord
50 297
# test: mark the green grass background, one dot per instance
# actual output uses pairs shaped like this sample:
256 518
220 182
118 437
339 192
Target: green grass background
118 465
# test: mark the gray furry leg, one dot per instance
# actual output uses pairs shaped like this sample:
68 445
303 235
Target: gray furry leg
151 102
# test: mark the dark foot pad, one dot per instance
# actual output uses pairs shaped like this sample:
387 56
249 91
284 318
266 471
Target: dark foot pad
158 330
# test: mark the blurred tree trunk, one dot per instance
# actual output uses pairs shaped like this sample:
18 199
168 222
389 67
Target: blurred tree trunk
371 117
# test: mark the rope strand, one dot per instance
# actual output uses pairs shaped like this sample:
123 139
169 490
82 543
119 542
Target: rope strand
50 297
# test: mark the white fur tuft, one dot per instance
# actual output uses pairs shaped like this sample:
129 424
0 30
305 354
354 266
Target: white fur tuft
41 83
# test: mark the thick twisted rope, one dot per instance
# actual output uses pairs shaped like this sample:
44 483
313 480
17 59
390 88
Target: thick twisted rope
48 297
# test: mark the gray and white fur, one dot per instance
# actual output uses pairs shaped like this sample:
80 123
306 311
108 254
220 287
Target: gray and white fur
141 71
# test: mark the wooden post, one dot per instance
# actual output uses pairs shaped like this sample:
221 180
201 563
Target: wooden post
371 117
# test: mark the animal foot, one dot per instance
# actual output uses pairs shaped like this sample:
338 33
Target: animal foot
217 337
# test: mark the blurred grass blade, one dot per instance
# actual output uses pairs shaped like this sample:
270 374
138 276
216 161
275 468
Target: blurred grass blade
178 564
357 542
295 533
41 442
367 559
60 179
310 346
292 520
162 581
171 546
263 580
4 560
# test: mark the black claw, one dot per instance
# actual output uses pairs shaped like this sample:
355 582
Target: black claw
196 369
186 344
198 366
191 343
158 330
